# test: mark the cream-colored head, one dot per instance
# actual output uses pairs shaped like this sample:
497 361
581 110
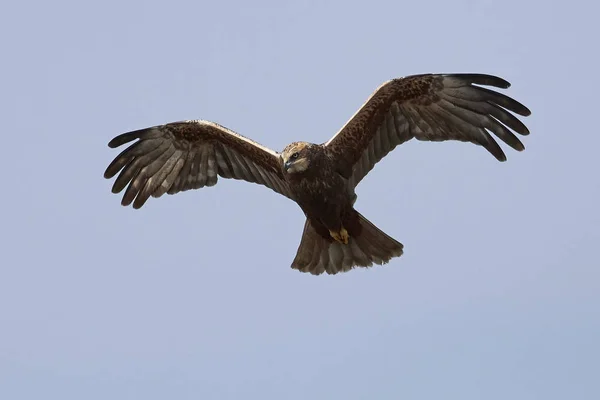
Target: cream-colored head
295 157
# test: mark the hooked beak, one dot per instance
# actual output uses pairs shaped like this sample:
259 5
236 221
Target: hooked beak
287 165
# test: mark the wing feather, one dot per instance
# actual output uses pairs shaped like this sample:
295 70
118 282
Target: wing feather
432 108
223 164
186 155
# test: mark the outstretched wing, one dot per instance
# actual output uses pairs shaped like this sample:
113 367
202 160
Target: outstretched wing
188 155
427 107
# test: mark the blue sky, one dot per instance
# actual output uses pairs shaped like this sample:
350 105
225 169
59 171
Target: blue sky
496 297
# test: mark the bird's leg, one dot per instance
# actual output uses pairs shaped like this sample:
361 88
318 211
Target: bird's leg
341 236
344 235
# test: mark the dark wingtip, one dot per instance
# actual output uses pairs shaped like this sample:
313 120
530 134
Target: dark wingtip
139 202
115 189
502 157
125 201
520 109
526 112
111 171
484 79
113 168
120 140
127 137
115 142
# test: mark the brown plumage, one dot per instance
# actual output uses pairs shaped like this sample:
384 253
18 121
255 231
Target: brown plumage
322 178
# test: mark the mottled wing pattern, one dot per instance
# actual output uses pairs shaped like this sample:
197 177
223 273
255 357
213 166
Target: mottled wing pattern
431 108
186 155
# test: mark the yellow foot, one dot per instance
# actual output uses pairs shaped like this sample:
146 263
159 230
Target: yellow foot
341 236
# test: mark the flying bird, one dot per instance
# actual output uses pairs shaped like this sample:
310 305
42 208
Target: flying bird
321 178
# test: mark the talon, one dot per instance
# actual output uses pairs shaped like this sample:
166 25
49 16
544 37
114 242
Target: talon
341 236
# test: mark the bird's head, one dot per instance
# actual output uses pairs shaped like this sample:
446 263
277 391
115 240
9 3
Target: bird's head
295 157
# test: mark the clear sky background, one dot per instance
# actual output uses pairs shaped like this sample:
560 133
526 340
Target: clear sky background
192 297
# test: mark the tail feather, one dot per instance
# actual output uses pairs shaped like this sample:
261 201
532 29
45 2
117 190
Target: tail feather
368 245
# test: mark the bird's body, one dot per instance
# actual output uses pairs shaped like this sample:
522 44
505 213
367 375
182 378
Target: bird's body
322 193
333 228
322 178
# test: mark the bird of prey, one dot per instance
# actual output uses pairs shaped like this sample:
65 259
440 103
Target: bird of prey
321 178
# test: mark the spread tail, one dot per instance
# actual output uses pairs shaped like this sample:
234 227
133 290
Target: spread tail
319 253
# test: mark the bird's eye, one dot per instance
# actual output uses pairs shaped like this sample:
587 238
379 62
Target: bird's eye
294 156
